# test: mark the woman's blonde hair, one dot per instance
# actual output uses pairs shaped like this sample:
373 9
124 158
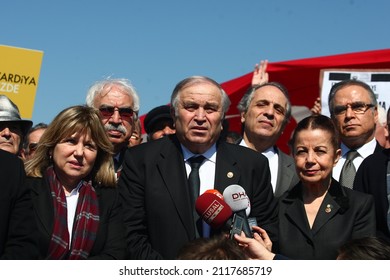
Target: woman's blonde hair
80 119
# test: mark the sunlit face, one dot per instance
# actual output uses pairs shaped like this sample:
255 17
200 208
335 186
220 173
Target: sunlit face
266 113
119 127
10 137
74 158
355 129
199 116
315 156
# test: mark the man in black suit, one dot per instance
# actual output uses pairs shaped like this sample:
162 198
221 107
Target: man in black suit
157 201
17 225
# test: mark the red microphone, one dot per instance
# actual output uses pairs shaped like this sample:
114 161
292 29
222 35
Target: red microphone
216 192
212 209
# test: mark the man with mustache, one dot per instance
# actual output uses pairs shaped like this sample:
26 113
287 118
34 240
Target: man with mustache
118 103
12 128
265 111
158 202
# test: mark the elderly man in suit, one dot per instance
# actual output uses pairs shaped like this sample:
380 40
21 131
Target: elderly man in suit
158 204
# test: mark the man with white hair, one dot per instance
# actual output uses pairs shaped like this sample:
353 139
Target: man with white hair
118 103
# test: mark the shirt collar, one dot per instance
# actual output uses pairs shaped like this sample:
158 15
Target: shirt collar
269 153
76 190
243 143
364 151
210 154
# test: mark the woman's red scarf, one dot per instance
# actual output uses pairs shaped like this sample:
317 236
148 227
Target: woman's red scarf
85 226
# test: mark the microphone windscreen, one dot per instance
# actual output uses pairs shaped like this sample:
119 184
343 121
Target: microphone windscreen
235 196
216 192
212 209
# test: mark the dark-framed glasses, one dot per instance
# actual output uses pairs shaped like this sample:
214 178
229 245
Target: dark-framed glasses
125 113
356 107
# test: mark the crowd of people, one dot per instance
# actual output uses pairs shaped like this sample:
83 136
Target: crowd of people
88 185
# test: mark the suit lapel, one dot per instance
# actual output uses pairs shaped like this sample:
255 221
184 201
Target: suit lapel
327 210
285 175
226 171
43 204
335 201
295 211
174 176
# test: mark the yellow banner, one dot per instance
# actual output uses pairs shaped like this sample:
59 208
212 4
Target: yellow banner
19 75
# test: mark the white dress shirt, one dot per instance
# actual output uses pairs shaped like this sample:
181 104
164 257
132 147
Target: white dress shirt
71 205
206 174
364 151
206 170
273 162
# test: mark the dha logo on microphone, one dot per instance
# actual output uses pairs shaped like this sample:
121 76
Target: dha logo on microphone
239 196
212 211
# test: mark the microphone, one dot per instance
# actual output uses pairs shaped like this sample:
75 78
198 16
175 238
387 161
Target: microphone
212 209
216 192
236 198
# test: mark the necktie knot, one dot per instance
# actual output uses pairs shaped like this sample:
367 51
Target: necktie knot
196 161
352 154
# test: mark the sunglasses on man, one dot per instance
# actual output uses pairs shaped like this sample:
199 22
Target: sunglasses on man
126 114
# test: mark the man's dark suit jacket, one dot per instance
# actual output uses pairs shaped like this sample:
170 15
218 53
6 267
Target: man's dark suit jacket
156 199
287 175
17 227
109 242
371 178
344 214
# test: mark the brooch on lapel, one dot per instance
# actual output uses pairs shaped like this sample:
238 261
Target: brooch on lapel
328 208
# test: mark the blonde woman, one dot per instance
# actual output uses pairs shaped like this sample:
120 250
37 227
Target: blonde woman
73 186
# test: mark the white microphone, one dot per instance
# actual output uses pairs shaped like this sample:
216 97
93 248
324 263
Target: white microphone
235 196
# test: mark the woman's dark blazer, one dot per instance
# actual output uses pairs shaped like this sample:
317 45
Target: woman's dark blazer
109 243
344 214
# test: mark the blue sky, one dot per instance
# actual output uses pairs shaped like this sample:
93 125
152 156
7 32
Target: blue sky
155 44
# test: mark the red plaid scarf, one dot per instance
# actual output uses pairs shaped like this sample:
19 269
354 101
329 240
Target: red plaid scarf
85 226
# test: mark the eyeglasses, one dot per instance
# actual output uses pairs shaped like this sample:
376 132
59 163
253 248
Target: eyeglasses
125 113
356 107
